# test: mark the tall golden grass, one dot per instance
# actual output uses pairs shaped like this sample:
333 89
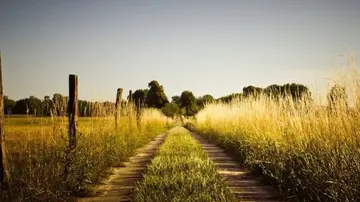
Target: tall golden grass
311 152
36 150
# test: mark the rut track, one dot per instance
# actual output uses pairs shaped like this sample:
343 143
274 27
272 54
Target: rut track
120 184
244 185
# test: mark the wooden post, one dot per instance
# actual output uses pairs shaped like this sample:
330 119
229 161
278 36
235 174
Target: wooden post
73 121
73 110
117 105
3 167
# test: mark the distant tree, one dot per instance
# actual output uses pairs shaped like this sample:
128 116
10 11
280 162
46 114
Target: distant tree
60 104
188 103
176 99
21 107
31 105
201 101
156 96
230 97
275 91
295 91
337 98
84 108
252 91
8 105
47 106
171 109
35 106
139 97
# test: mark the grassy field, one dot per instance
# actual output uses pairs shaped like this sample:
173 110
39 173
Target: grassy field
181 171
310 152
36 150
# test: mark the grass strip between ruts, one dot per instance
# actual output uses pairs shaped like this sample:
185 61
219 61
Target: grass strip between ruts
181 171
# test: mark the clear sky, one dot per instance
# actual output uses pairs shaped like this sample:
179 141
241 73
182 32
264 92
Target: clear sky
205 46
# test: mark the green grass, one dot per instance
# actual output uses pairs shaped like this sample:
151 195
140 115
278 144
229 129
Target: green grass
36 149
181 171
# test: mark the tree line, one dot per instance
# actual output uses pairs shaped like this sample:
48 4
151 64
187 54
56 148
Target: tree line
154 97
55 106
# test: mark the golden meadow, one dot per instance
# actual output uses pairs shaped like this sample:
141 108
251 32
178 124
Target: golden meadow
310 150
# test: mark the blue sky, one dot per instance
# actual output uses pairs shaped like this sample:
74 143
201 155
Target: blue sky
215 47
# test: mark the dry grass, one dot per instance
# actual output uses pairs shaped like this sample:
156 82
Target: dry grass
311 152
36 149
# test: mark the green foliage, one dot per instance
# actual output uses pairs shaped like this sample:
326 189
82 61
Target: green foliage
31 105
296 91
229 98
156 96
60 104
139 97
252 91
206 99
171 109
176 99
188 102
48 106
8 105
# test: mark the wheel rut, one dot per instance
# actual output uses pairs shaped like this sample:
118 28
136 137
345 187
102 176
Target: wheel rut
244 185
120 184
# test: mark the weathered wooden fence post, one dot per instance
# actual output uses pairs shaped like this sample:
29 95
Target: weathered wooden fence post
73 110
73 120
118 105
3 168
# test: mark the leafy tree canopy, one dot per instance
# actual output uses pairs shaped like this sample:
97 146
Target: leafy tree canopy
156 96
175 99
188 102
8 105
201 101
139 97
171 109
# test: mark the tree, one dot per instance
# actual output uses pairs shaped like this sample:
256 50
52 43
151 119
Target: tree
230 97
47 106
201 101
337 99
60 104
175 99
8 105
21 107
252 91
171 109
188 103
156 96
35 106
84 108
139 97
295 91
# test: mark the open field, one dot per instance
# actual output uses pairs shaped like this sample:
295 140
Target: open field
309 152
37 149
181 171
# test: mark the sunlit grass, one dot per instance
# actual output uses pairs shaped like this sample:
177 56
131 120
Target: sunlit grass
181 171
36 149
310 151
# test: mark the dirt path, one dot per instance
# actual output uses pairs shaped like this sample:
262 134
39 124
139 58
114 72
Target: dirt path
120 184
242 184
